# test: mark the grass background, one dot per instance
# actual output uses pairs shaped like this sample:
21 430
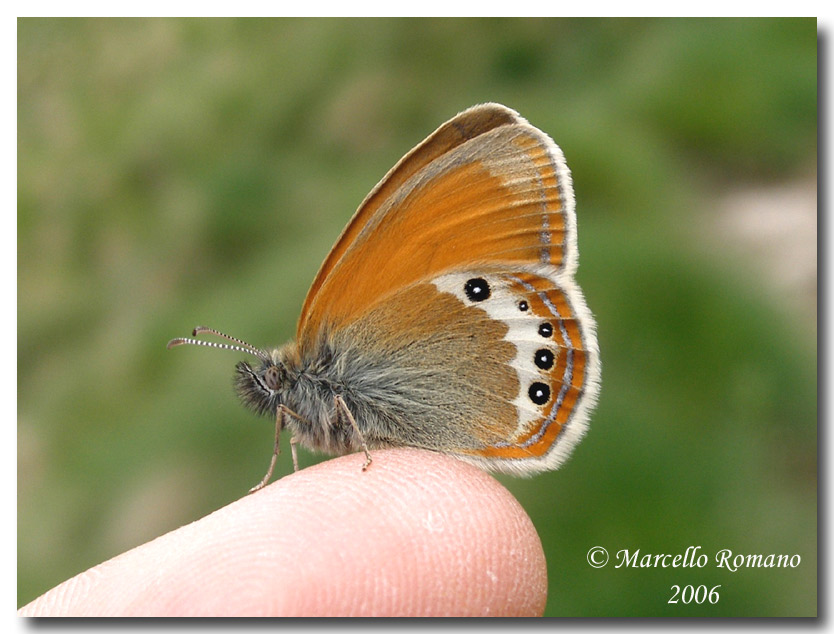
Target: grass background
177 172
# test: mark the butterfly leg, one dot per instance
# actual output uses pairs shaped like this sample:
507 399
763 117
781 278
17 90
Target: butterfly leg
294 453
282 411
342 409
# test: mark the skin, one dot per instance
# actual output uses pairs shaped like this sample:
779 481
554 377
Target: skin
417 534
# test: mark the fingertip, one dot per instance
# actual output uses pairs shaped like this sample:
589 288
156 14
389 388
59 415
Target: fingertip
417 534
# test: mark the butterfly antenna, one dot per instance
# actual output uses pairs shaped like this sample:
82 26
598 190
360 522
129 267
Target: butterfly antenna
239 345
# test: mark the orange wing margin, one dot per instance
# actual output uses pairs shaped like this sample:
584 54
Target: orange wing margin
486 188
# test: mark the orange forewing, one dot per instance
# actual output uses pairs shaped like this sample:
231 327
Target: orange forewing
482 191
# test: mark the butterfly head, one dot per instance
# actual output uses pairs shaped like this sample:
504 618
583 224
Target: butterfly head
259 385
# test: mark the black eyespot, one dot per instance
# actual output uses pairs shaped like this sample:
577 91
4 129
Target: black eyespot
546 329
523 305
477 289
539 393
544 359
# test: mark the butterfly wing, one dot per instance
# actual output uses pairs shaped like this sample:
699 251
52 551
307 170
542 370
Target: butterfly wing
485 204
485 188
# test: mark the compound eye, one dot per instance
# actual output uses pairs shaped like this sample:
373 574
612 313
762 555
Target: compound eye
272 377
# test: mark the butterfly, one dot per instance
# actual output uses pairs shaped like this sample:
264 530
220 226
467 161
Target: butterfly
446 316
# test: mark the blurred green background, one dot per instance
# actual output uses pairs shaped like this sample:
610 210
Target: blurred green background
178 172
